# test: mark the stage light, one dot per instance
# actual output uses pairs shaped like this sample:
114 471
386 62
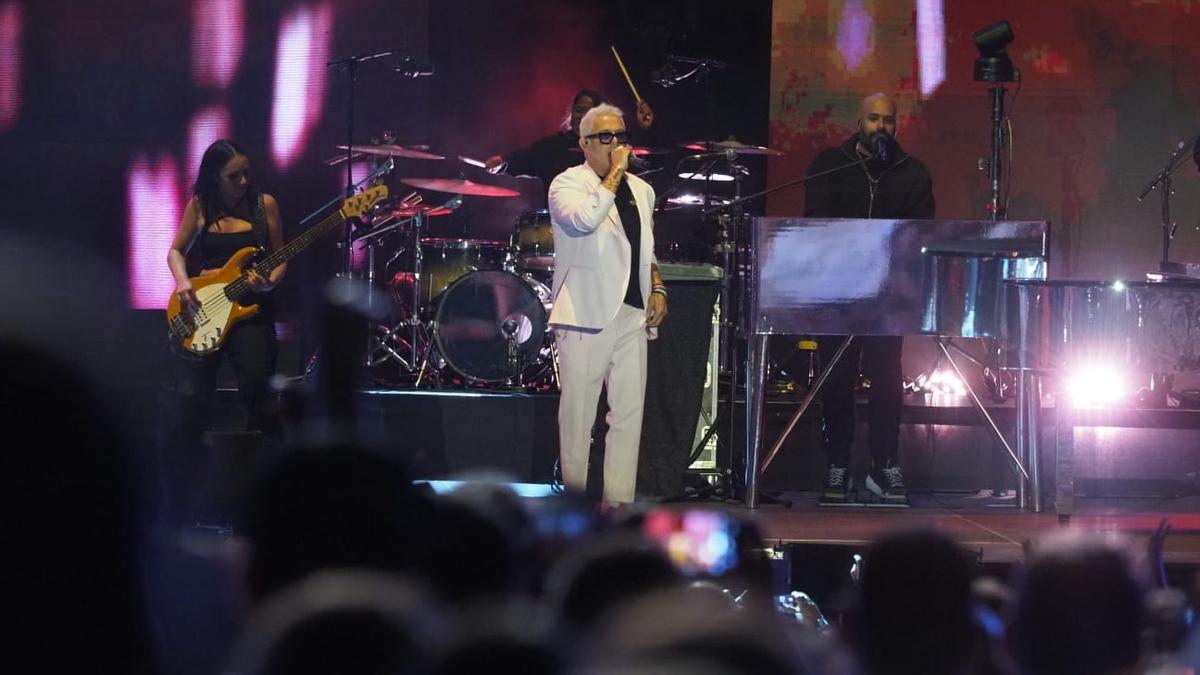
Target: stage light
1096 387
993 64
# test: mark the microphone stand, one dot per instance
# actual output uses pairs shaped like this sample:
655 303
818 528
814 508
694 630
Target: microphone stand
350 64
1163 179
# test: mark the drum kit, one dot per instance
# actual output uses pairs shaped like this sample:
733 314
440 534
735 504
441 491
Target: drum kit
464 311
469 311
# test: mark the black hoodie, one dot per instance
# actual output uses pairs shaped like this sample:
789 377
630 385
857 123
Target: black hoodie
903 189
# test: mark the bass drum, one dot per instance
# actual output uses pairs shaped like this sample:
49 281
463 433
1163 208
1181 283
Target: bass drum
477 315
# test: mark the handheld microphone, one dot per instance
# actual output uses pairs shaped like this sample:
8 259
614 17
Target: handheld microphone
882 148
634 163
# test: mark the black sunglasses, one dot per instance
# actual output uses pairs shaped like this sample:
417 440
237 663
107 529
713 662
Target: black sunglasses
606 137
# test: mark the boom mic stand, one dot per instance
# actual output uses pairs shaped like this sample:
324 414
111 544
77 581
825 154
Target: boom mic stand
350 65
1162 180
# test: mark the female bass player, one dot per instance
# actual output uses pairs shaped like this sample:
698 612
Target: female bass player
225 214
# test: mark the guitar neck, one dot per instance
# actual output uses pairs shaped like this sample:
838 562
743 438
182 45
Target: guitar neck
300 243
277 258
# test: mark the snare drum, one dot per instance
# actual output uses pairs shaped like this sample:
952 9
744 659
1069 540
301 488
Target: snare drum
443 261
535 240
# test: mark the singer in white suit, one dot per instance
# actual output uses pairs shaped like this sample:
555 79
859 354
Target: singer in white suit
608 300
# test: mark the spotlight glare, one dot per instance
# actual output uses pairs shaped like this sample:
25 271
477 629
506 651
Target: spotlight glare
1096 387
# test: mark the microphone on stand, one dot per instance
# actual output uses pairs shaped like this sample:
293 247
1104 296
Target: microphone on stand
729 154
665 77
414 69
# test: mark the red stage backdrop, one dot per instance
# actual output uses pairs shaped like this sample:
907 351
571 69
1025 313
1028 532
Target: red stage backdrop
1108 89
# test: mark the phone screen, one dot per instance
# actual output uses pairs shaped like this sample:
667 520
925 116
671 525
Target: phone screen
699 542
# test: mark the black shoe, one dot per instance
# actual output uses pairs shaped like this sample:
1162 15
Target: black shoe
887 483
837 484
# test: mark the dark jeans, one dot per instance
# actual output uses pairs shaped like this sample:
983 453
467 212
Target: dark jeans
881 364
251 350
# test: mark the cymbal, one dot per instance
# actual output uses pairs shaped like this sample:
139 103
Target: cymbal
391 151
460 186
741 148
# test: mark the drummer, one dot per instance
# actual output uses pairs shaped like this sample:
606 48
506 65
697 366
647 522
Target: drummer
549 156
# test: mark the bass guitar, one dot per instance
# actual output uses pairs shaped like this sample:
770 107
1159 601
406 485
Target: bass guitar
202 329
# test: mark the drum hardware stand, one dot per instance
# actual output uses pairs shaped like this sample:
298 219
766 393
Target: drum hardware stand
513 359
377 343
384 167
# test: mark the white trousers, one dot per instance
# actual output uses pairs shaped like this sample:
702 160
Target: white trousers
615 356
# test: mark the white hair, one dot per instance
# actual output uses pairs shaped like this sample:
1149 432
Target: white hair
589 118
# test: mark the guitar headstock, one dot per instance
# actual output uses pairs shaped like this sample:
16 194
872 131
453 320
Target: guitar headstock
356 206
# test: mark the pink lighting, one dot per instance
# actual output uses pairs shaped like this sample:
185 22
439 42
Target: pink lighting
301 53
855 39
206 126
931 45
216 41
10 64
154 209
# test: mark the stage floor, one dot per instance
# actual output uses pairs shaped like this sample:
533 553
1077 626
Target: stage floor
994 528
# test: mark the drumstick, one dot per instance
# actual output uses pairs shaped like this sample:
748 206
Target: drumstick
636 95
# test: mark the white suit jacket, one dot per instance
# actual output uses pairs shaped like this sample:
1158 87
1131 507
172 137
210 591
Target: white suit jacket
591 252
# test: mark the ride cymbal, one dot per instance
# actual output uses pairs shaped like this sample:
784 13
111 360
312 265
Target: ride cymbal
737 146
391 151
461 186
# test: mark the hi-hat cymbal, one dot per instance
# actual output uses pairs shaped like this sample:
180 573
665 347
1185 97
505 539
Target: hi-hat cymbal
391 151
461 186
737 146
417 209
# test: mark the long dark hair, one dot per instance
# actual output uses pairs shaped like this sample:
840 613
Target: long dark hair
207 189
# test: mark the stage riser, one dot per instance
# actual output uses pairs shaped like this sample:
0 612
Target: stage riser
444 435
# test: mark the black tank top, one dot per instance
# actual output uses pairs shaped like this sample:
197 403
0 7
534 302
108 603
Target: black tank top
214 249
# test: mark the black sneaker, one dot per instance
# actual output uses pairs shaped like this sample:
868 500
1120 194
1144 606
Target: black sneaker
837 484
887 483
